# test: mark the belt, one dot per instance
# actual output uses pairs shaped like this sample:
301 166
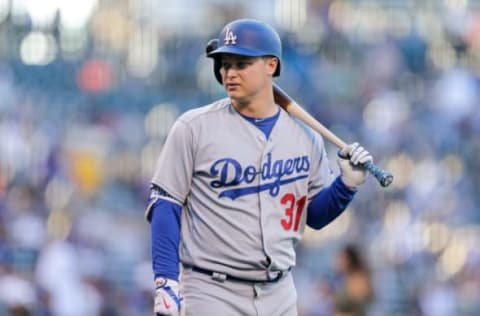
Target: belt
218 276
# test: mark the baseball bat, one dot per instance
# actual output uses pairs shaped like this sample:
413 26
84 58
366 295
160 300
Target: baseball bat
385 178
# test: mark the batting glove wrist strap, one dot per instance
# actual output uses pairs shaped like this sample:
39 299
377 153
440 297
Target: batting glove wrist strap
168 299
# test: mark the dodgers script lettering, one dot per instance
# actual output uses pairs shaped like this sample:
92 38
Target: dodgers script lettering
230 173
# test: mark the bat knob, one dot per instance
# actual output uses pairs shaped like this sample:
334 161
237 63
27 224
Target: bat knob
386 179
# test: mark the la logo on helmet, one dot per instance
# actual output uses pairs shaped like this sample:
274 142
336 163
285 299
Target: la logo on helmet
230 38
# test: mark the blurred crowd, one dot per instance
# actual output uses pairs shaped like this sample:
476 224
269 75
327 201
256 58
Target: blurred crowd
84 110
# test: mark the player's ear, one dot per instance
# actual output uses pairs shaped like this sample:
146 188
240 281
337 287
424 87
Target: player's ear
271 64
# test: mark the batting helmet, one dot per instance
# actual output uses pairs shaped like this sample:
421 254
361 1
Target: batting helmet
247 37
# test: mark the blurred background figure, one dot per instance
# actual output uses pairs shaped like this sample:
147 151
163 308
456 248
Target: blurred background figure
89 89
353 286
17 295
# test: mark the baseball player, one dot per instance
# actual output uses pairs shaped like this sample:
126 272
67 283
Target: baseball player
236 183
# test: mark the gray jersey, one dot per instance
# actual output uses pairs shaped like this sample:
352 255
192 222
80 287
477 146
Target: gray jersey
244 196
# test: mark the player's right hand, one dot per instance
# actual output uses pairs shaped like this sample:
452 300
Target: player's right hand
168 299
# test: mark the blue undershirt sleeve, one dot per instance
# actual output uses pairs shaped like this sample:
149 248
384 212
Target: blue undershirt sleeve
328 204
165 237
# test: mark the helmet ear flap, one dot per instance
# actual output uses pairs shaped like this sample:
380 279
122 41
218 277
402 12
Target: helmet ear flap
276 73
217 62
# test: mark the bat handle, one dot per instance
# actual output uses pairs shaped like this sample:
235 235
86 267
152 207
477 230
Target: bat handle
385 178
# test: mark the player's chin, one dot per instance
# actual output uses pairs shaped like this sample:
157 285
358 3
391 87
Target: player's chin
235 95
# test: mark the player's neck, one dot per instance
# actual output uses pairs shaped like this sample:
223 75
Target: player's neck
259 107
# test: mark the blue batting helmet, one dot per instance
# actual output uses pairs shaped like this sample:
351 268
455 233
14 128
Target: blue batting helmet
247 37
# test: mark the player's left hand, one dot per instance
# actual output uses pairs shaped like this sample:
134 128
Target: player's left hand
168 299
351 160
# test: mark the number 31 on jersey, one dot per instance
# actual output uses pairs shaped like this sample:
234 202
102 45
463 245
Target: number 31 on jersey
293 211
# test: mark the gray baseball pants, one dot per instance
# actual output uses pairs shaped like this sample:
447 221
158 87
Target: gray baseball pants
205 296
